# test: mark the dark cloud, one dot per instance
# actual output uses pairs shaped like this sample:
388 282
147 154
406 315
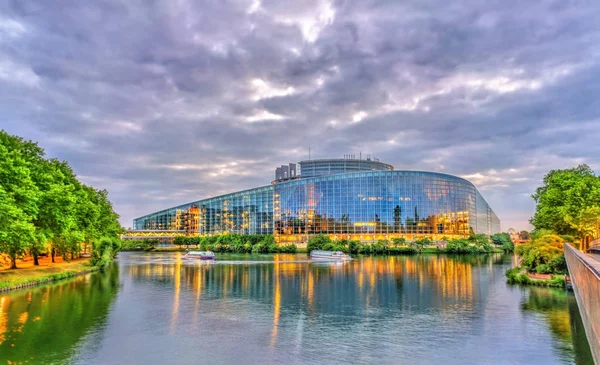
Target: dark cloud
166 102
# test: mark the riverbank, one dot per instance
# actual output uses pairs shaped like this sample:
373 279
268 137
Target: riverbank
395 251
518 275
29 275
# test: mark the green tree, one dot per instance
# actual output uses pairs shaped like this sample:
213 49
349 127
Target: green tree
317 242
544 255
16 232
503 240
46 195
569 203
179 241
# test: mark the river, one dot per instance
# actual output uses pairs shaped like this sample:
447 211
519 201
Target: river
156 308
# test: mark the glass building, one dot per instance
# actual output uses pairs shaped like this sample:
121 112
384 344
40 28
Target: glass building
369 203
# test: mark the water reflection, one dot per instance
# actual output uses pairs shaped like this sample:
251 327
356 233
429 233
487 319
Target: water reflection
282 308
47 322
559 309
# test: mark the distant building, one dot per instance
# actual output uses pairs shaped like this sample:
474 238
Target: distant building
348 198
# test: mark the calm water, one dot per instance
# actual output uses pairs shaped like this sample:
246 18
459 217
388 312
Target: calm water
159 309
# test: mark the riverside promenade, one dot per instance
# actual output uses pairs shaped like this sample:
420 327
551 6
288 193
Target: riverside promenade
584 270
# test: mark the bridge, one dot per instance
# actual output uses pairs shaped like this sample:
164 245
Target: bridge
166 235
584 270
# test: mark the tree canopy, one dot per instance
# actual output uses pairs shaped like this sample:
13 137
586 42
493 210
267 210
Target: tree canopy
569 203
44 207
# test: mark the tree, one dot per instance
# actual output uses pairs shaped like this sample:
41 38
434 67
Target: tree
16 231
46 195
524 235
18 197
544 255
568 203
179 241
503 240
586 221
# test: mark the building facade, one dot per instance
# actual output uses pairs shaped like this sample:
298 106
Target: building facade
365 201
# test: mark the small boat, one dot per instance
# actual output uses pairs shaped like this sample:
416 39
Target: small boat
202 255
329 255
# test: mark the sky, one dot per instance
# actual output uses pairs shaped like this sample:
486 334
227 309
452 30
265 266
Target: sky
167 102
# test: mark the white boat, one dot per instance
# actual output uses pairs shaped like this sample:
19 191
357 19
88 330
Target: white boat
202 255
329 255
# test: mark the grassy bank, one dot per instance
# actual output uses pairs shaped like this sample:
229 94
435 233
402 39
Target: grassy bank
518 275
35 275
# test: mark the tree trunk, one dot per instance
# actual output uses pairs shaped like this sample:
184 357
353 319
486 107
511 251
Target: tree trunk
35 259
52 254
13 262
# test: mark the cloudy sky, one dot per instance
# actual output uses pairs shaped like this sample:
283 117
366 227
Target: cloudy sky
165 102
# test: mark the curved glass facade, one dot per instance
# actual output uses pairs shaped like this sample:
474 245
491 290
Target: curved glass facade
363 205
380 205
246 212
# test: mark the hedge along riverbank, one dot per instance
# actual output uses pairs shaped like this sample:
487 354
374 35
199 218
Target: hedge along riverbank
238 243
399 246
232 243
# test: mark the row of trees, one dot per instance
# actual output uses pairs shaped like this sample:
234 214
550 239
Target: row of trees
43 207
241 243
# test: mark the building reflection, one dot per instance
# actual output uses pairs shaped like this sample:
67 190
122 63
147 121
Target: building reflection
444 283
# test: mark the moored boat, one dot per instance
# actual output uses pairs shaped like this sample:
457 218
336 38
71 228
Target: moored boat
329 255
202 255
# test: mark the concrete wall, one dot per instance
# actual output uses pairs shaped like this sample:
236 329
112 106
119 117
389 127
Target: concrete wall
585 276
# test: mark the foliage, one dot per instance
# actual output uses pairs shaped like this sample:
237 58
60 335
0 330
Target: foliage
44 207
503 240
420 243
524 235
318 242
568 203
239 243
478 243
544 255
104 252
516 275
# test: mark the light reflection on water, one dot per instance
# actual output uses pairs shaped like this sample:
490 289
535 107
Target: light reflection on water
161 308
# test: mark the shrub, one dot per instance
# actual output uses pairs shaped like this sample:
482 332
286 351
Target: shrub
546 251
317 242
290 248
354 246
503 240
399 241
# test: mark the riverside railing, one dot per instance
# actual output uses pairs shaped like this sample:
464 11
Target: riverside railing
585 276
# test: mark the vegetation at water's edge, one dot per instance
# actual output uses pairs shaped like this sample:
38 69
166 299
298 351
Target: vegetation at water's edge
237 243
567 210
518 275
398 246
44 209
233 243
